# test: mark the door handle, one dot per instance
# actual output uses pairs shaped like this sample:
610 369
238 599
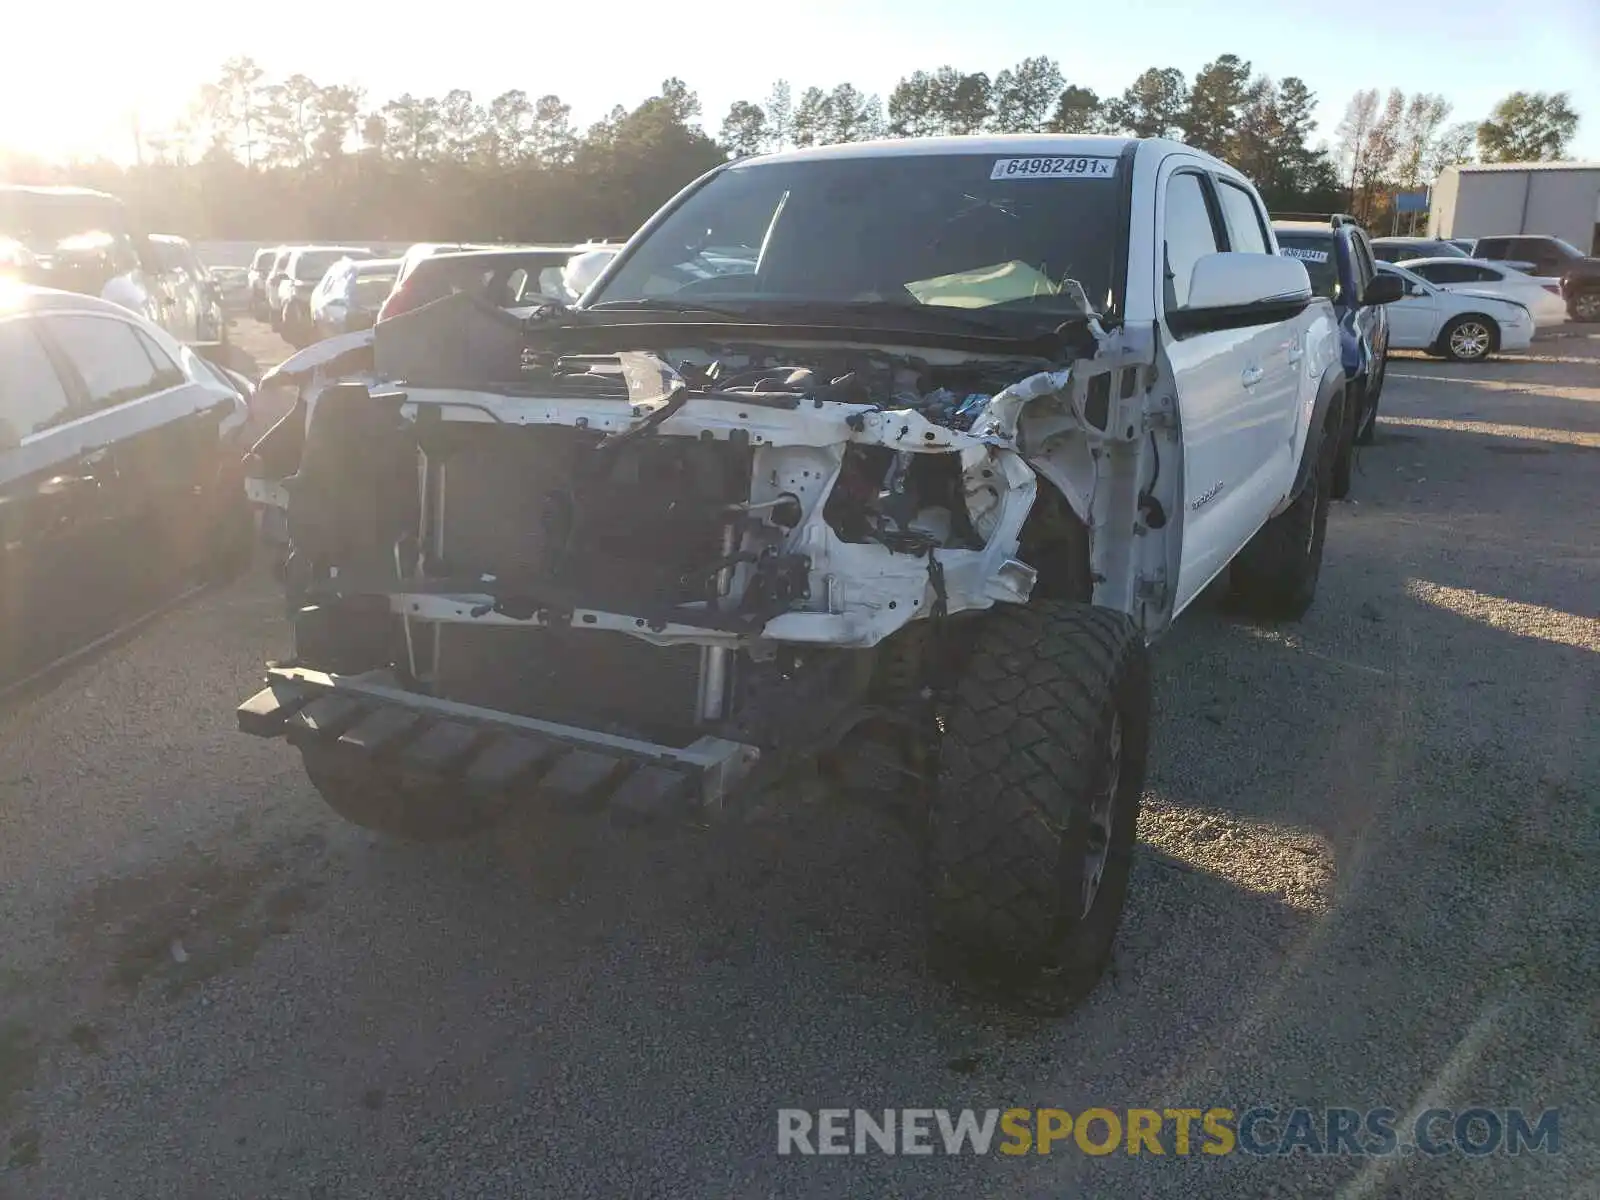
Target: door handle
1251 376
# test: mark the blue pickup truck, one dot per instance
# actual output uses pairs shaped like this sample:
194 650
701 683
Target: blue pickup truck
1339 259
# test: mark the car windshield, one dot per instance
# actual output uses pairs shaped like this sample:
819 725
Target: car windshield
313 264
971 231
372 288
1316 254
1566 248
42 219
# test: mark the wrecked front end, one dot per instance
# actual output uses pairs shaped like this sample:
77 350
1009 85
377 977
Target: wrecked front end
701 557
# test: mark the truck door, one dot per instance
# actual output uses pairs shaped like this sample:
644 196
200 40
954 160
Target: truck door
1229 385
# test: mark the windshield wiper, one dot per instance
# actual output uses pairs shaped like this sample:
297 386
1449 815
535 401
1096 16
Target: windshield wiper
664 304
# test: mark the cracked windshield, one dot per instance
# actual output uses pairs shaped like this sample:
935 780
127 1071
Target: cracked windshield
918 600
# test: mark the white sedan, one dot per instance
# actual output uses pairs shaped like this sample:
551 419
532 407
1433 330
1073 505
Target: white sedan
1462 325
1539 295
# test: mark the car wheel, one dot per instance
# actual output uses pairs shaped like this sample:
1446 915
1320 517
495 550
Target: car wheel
392 803
1585 305
1469 338
1032 821
1275 575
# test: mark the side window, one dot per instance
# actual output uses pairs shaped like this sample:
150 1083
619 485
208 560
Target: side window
1482 275
1189 232
1491 248
111 359
1247 234
31 395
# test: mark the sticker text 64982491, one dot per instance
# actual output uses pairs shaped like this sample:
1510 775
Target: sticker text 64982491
1053 168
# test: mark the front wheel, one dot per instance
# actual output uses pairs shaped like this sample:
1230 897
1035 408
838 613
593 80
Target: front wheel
1276 573
1469 338
413 810
1034 814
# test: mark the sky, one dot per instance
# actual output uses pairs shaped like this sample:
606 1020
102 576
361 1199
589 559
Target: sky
147 61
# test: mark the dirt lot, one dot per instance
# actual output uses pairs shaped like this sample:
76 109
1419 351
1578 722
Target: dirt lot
1367 877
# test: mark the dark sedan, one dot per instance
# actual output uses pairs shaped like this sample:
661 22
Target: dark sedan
121 481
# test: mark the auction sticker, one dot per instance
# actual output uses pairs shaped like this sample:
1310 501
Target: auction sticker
1053 168
1316 256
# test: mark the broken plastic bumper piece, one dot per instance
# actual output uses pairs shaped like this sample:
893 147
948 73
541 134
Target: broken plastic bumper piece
564 767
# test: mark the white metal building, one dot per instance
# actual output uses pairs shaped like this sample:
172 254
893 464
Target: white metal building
1486 199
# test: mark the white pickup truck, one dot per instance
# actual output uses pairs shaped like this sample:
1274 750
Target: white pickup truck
893 453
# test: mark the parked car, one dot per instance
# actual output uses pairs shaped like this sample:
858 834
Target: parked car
81 240
1338 258
303 270
196 317
233 285
1460 325
1541 297
261 270
507 277
1551 256
705 528
1398 249
120 473
277 272
350 295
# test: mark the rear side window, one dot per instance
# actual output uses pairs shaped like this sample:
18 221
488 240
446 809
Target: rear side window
1188 233
31 395
115 361
1247 234
1492 248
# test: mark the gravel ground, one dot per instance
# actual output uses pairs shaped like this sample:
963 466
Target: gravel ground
1367 874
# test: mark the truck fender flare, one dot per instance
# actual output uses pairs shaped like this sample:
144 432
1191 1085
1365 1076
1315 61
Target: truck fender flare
1330 392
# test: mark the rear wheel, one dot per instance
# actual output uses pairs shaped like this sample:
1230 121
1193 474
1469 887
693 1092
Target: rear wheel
1033 818
1585 305
1469 338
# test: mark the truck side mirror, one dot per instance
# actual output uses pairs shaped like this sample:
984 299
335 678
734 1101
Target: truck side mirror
1384 289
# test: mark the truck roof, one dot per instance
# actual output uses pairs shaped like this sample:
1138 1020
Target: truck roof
1052 144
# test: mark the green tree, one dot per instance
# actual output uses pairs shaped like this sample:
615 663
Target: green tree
461 126
744 129
550 136
851 116
412 132
1153 105
780 115
811 117
335 112
289 120
1024 96
1077 110
1215 106
911 107
507 132
1529 127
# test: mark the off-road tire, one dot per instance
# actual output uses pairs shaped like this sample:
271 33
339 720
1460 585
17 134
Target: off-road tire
1275 575
1367 422
410 809
1026 763
1447 335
